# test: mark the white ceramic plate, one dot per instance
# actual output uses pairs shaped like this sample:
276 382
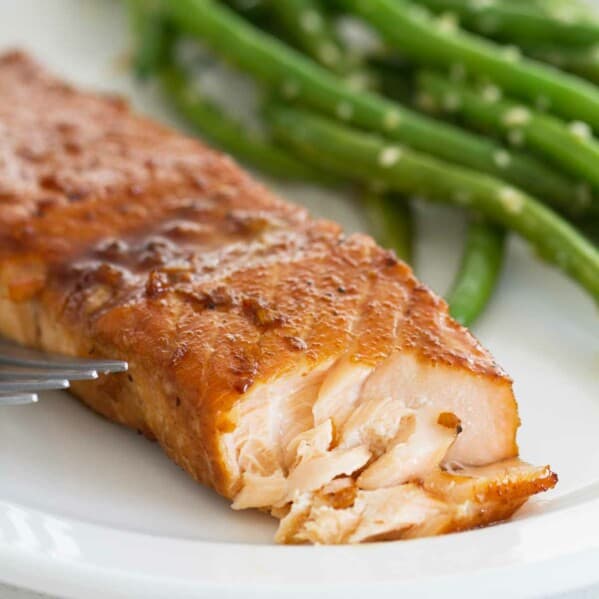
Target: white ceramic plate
88 509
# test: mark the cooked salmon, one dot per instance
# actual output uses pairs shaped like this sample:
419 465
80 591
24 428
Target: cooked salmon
290 367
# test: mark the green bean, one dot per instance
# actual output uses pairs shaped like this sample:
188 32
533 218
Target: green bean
230 135
300 79
391 222
256 11
151 36
154 56
479 271
307 25
566 10
583 62
439 42
570 147
394 76
368 158
590 227
517 23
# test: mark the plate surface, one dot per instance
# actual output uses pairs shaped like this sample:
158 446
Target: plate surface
88 509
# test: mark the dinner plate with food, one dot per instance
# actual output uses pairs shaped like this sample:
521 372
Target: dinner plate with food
299 298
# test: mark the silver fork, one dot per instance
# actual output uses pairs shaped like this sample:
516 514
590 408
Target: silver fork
24 372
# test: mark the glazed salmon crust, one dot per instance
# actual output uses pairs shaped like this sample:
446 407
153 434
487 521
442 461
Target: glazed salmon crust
288 366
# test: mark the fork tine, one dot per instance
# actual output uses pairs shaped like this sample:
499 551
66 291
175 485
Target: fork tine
15 355
18 399
35 373
32 385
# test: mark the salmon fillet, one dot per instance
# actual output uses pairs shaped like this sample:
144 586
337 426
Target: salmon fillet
288 366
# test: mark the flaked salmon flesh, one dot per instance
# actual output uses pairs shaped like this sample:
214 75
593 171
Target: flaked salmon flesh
288 366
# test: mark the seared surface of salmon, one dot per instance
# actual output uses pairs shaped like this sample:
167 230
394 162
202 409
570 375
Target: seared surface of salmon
288 366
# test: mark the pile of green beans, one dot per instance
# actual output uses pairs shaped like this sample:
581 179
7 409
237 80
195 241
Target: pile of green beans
495 151
367 156
252 148
569 146
564 34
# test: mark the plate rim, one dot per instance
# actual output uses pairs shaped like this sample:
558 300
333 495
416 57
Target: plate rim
87 559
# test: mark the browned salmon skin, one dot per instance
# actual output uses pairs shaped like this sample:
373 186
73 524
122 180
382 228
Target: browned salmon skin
288 366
